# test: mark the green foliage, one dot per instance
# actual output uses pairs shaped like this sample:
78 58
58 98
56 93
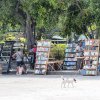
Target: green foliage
80 14
58 51
11 36
95 6
2 42
67 15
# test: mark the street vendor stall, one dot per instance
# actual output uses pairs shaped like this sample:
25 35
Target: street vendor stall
43 62
91 57
70 61
42 57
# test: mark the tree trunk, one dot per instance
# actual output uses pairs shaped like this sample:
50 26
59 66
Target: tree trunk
29 32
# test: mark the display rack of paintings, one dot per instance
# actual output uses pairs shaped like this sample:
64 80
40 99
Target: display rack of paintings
91 57
42 56
70 60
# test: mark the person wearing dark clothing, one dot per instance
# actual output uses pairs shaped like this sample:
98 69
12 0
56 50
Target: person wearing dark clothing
79 53
34 53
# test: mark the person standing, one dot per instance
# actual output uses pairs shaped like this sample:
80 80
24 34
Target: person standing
19 61
79 53
34 53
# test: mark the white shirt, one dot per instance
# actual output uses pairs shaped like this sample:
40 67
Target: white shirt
78 51
19 56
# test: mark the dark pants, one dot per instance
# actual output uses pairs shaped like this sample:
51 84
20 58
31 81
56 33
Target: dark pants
79 63
34 60
19 63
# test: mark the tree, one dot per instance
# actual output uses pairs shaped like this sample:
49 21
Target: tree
66 15
95 6
26 12
80 14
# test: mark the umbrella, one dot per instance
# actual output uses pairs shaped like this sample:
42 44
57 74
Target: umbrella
82 37
57 37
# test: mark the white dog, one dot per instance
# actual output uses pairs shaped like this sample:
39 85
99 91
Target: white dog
69 81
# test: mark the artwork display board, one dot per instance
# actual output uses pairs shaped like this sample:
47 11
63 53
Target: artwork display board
42 56
70 61
91 57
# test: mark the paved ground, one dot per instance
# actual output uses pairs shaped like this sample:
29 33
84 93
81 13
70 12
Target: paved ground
32 87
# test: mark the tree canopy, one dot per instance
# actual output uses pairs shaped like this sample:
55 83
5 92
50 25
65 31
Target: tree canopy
46 15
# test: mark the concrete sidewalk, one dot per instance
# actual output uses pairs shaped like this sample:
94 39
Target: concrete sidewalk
48 87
